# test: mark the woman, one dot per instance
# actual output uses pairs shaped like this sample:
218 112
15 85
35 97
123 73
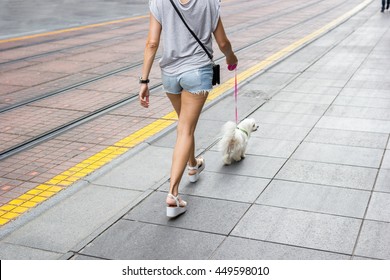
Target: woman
186 75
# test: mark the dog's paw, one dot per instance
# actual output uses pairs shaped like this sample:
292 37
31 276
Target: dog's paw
227 160
237 158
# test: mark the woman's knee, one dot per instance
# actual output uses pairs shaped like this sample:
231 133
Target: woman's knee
185 129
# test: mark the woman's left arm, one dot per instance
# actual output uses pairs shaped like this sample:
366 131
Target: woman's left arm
151 48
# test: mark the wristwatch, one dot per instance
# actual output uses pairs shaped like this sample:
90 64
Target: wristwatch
143 81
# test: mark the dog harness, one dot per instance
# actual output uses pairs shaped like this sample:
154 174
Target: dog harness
243 130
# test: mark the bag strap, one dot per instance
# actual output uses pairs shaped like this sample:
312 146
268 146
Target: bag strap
192 33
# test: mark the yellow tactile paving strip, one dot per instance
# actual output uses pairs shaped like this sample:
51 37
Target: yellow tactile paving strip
42 192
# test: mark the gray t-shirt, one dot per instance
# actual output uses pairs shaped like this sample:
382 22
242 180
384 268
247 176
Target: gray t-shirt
181 52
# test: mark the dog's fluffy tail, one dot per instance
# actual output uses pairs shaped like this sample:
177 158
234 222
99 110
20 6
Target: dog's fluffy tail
227 141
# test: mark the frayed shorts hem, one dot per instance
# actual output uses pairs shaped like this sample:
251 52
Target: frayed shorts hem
200 92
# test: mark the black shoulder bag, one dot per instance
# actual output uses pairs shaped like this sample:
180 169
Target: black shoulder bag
216 68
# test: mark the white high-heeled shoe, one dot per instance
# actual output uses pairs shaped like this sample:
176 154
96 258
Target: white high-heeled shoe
176 206
194 176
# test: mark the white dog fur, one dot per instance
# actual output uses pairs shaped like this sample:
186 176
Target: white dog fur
235 139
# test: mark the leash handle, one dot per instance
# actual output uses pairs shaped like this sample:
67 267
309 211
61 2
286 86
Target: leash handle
236 94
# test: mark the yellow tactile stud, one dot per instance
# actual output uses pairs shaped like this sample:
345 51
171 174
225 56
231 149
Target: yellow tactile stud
54 189
46 194
34 192
10 215
38 199
7 207
19 210
29 204
3 221
42 187
16 202
26 196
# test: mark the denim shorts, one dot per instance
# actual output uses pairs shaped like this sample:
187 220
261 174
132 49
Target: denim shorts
194 81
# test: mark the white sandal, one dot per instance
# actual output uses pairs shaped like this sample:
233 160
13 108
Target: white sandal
199 168
176 206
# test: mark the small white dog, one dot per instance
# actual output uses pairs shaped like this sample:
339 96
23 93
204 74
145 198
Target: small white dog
235 139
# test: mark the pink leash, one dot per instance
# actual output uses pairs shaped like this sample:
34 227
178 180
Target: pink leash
231 68
236 93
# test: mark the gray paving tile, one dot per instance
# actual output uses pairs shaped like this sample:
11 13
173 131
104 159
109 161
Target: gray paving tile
383 85
315 198
306 55
286 118
272 78
322 99
259 89
328 174
379 126
347 138
359 112
373 72
281 132
375 76
386 160
374 240
128 240
363 92
203 214
308 86
71 221
379 208
224 186
234 248
16 252
256 166
328 75
153 161
299 228
358 156
338 62
376 63
271 147
363 101
319 86
294 107
383 181
291 67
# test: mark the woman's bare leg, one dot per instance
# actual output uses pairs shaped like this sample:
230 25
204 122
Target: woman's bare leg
188 106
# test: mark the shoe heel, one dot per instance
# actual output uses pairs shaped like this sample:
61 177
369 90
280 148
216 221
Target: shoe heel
175 211
194 178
